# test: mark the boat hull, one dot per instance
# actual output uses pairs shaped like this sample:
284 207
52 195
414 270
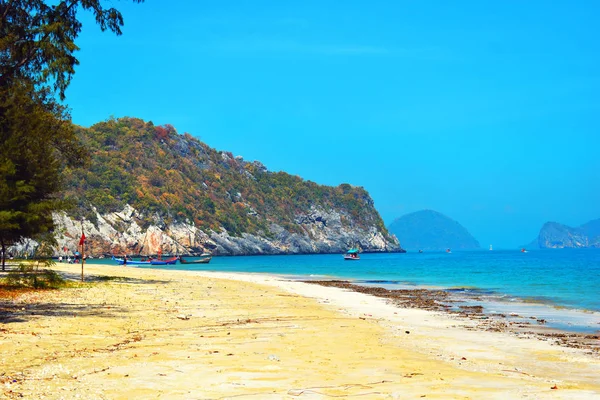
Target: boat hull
204 260
163 262
120 261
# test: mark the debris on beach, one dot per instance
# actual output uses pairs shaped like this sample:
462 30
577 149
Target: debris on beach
440 300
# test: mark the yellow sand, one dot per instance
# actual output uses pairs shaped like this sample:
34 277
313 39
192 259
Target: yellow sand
186 335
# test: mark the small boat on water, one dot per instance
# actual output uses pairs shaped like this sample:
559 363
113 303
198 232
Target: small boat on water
169 261
352 254
523 250
203 260
448 251
121 261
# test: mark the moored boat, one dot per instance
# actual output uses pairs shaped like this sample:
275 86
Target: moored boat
203 260
169 261
352 254
121 261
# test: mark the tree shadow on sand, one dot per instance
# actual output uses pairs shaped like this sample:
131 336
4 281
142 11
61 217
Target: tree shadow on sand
11 311
107 278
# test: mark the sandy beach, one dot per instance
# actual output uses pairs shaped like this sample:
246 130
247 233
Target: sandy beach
141 333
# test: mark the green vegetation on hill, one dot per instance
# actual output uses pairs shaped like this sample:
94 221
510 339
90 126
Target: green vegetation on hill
178 178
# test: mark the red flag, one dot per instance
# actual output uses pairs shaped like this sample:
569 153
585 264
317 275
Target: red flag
82 240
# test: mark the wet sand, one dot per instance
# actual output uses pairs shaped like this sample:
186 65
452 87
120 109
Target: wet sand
443 301
141 333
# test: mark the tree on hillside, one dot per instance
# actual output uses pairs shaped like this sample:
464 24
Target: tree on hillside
37 46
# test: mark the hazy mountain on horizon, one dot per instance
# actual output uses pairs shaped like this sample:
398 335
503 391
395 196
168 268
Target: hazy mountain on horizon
554 235
431 230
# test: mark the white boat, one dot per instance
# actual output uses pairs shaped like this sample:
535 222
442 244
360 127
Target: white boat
491 247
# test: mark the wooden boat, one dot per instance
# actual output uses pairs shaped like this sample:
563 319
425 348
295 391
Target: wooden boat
351 255
121 261
204 260
169 261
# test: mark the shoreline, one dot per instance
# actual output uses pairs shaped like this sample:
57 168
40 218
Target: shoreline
141 332
438 300
474 298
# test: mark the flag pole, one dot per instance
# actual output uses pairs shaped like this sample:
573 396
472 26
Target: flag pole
82 249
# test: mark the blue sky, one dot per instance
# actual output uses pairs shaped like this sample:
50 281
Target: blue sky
485 111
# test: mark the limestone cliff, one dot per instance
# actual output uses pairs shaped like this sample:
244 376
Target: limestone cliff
122 233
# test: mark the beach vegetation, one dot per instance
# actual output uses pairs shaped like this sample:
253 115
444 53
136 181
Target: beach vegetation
34 132
37 63
30 275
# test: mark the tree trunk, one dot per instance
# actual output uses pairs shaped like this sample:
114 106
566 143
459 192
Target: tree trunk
3 254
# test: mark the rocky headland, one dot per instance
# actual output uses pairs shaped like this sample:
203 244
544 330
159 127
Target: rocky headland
149 189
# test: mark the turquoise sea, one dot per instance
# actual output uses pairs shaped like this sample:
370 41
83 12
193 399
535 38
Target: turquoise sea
561 286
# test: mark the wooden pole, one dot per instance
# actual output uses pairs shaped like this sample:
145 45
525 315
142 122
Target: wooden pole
82 259
82 250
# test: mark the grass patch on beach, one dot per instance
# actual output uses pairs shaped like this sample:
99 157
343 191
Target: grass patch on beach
31 276
107 278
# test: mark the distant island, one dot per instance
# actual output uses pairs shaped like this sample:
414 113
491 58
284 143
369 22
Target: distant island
431 230
558 236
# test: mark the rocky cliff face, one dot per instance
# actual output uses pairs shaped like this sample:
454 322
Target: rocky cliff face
122 233
557 236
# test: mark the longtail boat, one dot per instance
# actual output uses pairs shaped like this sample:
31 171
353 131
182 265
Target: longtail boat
204 260
169 261
121 261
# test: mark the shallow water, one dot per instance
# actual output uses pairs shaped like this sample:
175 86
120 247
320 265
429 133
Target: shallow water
508 280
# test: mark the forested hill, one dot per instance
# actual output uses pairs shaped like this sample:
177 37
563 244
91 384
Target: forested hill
164 180
431 230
